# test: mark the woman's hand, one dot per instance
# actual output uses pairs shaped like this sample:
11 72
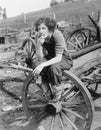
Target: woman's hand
39 48
40 39
38 69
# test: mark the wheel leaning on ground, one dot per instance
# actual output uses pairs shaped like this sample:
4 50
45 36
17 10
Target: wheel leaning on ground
29 46
74 111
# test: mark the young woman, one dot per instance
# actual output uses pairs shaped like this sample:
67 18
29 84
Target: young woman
51 52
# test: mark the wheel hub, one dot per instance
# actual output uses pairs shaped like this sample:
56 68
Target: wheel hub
53 108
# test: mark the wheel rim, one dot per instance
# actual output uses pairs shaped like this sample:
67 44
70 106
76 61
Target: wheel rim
72 116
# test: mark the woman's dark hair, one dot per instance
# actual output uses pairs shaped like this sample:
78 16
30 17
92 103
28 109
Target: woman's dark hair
49 22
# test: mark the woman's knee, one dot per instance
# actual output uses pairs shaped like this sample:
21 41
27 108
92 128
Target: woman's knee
55 69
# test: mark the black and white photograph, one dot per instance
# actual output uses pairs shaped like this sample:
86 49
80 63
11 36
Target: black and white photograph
50 64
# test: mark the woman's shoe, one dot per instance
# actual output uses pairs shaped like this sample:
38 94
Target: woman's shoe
58 92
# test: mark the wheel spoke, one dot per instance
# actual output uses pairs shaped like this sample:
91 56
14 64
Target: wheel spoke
42 116
89 35
84 37
68 92
52 122
61 120
27 46
74 95
37 106
77 42
39 97
73 45
71 104
30 47
31 50
69 121
72 112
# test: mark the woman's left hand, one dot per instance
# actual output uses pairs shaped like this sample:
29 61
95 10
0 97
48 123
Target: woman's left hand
38 69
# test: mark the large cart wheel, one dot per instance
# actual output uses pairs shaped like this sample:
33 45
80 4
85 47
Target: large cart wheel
29 46
80 38
74 111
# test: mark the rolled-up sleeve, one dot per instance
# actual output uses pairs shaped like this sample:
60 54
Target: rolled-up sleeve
60 42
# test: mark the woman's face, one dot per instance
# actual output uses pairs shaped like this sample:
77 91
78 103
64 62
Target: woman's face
43 30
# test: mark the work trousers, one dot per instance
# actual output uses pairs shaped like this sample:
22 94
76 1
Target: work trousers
53 73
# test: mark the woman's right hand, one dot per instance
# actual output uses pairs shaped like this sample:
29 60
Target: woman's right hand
39 49
40 38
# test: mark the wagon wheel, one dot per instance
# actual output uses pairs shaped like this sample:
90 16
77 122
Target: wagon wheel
74 111
29 46
80 39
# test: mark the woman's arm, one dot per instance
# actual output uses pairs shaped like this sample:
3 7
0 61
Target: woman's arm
59 48
54 60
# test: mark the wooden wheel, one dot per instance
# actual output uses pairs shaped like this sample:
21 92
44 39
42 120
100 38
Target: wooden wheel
74 111
80 39
92 80
29 46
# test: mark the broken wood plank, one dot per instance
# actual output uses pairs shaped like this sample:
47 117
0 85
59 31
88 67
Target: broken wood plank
85 50
8 74
86 66
8 47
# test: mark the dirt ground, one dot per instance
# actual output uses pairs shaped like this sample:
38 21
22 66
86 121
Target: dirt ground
11 114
